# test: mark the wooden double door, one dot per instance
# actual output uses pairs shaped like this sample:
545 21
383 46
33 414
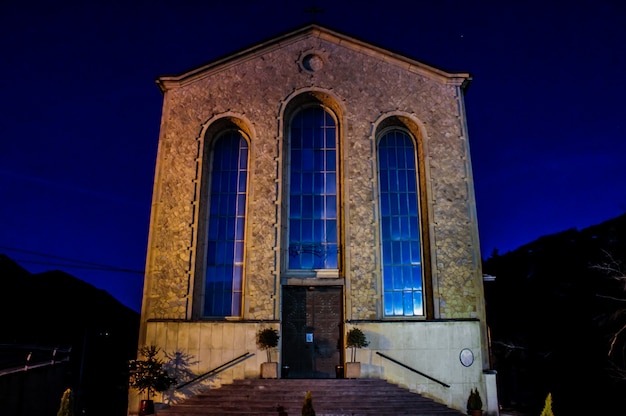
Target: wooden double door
312 329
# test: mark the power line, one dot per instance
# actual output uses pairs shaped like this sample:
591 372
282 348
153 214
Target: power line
71 266
74 263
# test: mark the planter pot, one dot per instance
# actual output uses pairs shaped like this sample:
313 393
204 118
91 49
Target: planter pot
146 407
353 370
475 412
269 370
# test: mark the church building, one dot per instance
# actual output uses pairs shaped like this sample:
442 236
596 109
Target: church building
314 183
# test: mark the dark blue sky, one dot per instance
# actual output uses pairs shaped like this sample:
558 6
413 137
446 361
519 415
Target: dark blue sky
80 112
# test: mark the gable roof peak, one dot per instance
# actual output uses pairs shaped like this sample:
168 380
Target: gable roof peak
317 30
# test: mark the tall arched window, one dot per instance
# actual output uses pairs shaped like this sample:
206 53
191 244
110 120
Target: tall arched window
226 225
400 225
313 205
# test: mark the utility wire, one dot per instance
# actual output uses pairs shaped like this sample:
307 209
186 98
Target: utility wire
71 266
80 264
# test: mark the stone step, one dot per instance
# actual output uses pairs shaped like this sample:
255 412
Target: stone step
286 395
269 404
297 412
331 397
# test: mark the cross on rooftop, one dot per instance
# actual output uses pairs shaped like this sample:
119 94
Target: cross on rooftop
314 11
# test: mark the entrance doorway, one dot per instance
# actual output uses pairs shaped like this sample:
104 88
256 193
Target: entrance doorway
312 322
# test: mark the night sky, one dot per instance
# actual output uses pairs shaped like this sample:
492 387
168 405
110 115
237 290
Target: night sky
80 112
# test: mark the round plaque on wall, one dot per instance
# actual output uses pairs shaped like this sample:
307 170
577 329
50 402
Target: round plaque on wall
312 62
466 357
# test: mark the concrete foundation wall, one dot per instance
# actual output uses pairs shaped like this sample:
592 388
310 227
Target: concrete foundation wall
432 348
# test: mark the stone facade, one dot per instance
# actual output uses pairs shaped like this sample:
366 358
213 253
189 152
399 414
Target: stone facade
365 86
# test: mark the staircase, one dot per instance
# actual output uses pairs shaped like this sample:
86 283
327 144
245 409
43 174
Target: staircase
331 397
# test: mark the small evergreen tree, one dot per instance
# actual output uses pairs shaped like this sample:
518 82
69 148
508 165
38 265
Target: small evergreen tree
67 404
547 408
149 375
307 408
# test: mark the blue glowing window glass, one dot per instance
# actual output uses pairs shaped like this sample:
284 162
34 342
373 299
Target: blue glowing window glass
226 226
313 201
399 226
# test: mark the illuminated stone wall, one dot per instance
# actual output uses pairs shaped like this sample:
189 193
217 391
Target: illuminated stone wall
366 85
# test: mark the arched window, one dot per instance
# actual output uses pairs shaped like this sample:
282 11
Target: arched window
400 225
226 224
313 236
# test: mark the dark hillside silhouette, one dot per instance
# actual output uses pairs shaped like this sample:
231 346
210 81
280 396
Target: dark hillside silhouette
549 314
56 310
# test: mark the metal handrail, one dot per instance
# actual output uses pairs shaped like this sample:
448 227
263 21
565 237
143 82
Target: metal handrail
412 369
34 358
215 370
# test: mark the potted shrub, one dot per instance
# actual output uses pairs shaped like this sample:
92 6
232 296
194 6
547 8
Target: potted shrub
474 403
355 338
147 375
267 339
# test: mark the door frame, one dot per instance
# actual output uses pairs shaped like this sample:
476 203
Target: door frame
285 343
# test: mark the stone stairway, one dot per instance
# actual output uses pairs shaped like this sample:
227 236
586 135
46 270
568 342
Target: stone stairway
331 397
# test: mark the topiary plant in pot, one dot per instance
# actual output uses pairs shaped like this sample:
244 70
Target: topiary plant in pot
147 375
267 339
355 338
